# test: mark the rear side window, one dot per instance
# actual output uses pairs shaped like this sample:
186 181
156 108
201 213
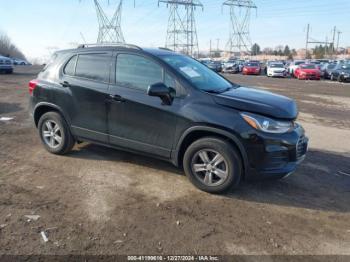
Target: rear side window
70 66
137 72
94 67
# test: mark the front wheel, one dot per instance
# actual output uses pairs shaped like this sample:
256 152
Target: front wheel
55 134
213 165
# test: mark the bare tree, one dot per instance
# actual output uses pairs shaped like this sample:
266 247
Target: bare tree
7 48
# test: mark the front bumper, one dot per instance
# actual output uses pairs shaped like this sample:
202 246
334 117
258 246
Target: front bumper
277 74
275 155
309 77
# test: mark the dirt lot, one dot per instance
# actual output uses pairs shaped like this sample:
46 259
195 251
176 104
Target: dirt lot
103 201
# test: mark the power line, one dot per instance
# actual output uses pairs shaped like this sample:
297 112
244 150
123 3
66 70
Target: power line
182 33
239 39
109 29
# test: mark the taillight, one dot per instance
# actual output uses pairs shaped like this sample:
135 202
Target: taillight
32 86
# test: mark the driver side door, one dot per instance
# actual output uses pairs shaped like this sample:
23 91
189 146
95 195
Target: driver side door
135 120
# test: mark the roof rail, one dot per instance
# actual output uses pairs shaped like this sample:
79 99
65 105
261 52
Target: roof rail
165 48
110 45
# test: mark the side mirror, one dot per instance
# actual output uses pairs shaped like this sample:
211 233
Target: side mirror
166 94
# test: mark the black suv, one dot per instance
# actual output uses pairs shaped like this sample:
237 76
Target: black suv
169 106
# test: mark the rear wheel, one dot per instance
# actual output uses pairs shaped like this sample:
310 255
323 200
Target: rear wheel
55 134
213 165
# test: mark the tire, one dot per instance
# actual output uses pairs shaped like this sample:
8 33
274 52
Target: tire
9 71
332 77
229 168
57 141
340 79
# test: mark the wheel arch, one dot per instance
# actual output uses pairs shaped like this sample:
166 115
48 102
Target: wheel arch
42 108
194 133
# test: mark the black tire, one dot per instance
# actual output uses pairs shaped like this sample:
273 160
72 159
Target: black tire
340 79
332 77
232 163
9 71
66 138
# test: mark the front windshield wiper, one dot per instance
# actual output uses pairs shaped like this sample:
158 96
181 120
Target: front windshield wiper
217 91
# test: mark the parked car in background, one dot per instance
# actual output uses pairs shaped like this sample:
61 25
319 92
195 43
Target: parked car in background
17 61
294 65
341 73
327 69
6 65
231 67
276 70
307 71
215 66
241 65
251 68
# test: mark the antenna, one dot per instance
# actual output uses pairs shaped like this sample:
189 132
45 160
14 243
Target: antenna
239 39
182 33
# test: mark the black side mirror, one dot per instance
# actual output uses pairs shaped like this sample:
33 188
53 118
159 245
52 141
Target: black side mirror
166 94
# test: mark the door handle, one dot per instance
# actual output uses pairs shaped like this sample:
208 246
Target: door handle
65 84
116 98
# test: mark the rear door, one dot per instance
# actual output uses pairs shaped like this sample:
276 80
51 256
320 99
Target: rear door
136 120
87 77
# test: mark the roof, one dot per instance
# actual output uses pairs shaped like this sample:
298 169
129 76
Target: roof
105 47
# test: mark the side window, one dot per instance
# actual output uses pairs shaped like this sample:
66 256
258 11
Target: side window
70 66
169 81
94 67
137 72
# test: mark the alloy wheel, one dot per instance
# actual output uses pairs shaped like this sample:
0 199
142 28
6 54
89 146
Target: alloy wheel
52 134
210 167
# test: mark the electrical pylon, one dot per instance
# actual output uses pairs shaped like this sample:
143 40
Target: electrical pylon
110 30
240 11
182 33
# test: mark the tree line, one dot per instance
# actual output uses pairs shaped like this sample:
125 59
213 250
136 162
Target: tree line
8 49
278 51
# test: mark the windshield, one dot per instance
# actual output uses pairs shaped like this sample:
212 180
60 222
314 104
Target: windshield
299 62
198 74
308 66
277 65
345 67
251 64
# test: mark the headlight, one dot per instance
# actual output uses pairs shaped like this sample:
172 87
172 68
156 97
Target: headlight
266 124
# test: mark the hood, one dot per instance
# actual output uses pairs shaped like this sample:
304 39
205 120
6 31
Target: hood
260 102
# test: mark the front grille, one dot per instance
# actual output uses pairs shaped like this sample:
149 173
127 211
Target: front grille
301 147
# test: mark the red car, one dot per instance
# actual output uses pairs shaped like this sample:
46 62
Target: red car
251 69
307 71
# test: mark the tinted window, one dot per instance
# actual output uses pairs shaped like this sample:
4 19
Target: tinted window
94 67
169 81
70 66
137 72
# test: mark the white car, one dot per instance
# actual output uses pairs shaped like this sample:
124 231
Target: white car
294 65
276 69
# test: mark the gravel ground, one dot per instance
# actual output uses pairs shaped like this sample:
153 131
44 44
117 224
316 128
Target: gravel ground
103 201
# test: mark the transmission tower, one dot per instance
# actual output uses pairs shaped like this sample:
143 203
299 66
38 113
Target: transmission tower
182 33
109 29
240 11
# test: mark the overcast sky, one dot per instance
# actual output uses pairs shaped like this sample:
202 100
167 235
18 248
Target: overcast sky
38 26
